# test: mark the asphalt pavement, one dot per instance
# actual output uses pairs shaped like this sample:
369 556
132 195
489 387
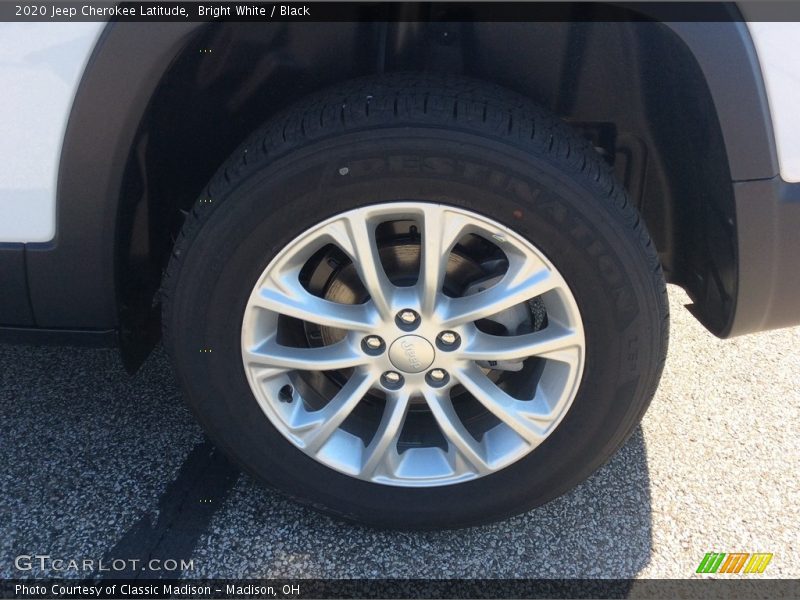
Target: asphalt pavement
95 464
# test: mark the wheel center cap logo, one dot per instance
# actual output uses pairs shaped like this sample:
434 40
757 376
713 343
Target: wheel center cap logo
411 353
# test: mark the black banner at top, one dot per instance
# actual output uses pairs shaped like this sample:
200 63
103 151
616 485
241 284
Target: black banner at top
264 11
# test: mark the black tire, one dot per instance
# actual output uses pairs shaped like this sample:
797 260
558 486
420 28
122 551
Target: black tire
445 139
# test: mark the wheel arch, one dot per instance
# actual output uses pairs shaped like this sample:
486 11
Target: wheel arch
682 108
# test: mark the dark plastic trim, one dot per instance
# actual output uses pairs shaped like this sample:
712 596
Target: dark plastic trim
15 306
72 279
727 57
768 295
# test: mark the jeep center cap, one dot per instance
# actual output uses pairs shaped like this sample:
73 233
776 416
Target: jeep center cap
411 353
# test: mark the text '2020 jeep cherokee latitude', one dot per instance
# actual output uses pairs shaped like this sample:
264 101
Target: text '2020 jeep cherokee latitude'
410 271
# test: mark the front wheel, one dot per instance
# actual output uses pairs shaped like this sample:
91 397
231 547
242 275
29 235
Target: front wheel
417 302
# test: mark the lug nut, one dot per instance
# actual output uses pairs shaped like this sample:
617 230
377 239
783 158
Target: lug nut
407 319
437 377
448 340
372 344
392 380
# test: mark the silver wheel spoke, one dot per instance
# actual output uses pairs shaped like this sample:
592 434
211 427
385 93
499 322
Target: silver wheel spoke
508 292
441 229
328 419
302 305
555 342
276 358
509 410
460 440
359 243
383 446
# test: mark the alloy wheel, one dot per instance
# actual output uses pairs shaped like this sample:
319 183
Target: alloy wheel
413 344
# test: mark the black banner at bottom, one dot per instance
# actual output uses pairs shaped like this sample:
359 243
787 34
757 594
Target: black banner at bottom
402 588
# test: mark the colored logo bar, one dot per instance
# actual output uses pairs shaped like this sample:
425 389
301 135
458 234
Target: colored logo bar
720 562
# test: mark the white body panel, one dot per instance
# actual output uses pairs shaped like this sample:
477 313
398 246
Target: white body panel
778 48
40 67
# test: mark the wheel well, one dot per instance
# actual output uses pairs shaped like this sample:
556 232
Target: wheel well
633 88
